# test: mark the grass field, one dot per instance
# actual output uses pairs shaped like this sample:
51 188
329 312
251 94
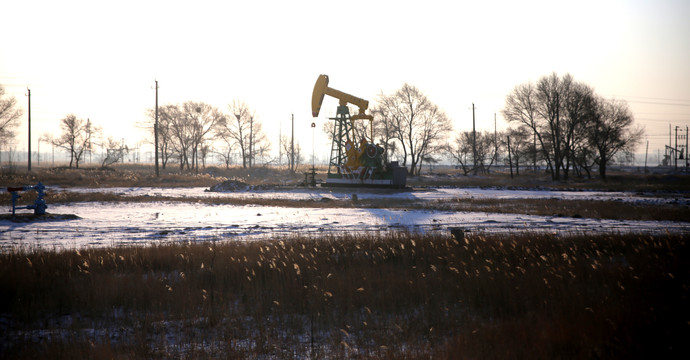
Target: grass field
389 297
144 175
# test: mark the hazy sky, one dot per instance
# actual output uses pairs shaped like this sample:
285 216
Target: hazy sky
99 59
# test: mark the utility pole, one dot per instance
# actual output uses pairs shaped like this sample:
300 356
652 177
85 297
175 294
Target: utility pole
251 141
29 95
495 142
510 159
474 144
675 152
646 151
155 131
534 154
280 143
669 145
292 146
557 159
88 133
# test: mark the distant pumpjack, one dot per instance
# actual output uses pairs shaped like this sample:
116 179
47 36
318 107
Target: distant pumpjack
354 163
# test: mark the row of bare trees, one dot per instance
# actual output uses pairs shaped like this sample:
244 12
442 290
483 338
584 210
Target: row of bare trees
191 131
484 145
188 133
79 137
184 132
572 126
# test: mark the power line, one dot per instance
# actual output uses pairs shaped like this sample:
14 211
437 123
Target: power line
662 123
663 114
651 98
658 103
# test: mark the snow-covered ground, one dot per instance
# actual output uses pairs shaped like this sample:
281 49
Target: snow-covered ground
418 194
115 224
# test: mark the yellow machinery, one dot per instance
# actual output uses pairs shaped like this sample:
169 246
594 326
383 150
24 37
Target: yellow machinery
351 165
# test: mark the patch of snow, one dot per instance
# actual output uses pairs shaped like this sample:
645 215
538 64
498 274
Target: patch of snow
121 224
427 194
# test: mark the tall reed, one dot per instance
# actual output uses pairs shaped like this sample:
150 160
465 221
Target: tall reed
387 295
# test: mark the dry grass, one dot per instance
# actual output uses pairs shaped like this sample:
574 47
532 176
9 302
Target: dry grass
143 175
595 209
617 180
388 296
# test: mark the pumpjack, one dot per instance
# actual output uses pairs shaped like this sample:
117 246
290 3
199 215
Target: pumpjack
355 163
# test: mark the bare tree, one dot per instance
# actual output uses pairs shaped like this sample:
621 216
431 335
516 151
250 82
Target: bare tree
549 107
576 129
578 112
460 150
246 130
384 127
611 132
521 108
227 144
463 149
259 145
519 145
262 150
75 138
416 123
166 118
180 133
555 110
287 149
284 146
237 127
9 117
583 155
486 148
200 120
